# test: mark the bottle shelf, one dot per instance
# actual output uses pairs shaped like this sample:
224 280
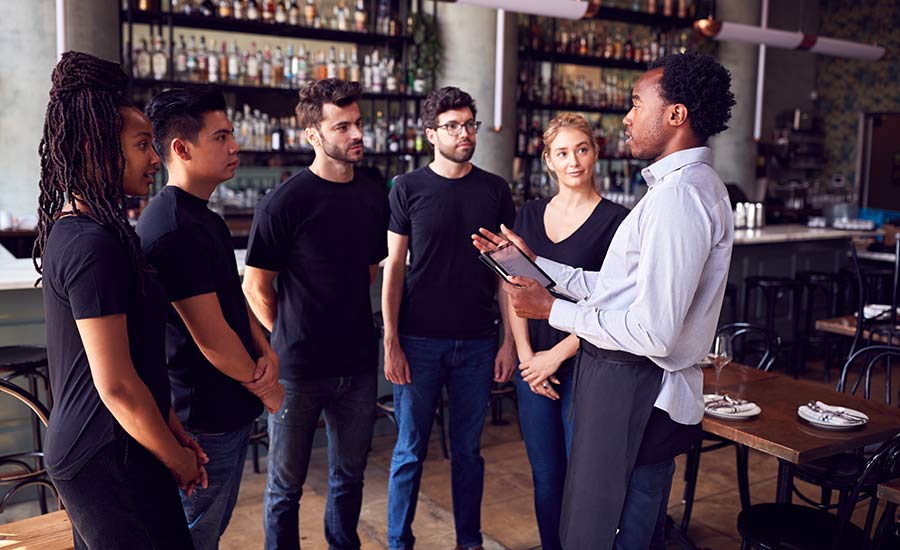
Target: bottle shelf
308 154
572 107
642 18
582 60
527 156
260 28
146 83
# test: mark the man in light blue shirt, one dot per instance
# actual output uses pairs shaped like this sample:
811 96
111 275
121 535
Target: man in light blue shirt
647 316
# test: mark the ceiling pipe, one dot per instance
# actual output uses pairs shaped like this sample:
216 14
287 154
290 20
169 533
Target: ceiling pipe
760 75
736 32
499 50
60 28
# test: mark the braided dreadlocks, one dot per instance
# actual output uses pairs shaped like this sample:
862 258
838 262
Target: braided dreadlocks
81 152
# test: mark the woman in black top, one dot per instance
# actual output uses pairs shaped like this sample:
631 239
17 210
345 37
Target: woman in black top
113 446
574 227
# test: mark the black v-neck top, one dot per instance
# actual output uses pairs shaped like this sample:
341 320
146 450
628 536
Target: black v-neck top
585 248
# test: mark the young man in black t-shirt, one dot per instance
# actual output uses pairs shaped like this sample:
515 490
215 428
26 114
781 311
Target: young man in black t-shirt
322 233
220 364
441 321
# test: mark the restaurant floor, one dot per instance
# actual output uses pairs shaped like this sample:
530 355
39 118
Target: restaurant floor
507 509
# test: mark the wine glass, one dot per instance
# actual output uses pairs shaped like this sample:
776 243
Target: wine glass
720 355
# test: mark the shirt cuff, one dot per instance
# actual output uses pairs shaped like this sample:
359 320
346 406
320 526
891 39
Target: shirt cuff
562 315
551 268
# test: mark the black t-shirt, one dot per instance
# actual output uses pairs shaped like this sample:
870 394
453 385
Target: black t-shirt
448 292
585 248
87 274
190 247
321 237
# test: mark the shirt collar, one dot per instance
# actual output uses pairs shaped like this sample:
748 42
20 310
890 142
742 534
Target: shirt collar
654 173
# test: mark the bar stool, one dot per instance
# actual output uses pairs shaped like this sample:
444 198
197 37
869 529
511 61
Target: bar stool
831 287
731 293
774 289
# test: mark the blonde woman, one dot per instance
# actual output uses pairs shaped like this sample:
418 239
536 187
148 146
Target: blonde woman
574 227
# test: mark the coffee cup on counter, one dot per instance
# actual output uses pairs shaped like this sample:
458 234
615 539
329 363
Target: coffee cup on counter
749 215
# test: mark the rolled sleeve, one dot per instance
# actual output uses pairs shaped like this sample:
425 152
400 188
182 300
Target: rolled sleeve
563 315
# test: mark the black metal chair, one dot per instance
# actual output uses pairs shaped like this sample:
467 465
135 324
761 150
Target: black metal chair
25 469
773 289
820 286
752 345
840 472
777 526
887 326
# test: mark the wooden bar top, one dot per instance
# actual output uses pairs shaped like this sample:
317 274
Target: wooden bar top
845 326
51 531
778 431
890 491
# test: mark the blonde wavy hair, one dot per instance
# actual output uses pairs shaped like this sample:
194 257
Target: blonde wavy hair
560 121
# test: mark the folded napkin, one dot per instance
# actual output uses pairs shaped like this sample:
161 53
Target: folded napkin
830 414
873 311
730 408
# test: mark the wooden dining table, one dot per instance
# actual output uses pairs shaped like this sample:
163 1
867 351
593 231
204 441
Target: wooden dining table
51 531
778 430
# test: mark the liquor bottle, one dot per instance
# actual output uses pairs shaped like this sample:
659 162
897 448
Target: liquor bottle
391 85
618 46
367 73
191 63
301 70
223 62
667 8
359 16
628 49
418 86
420 141
320 71
592 39
651 6
608 47
383 18
377 74
253 66
252 11
380 133
159 60
293 13
354 66
521 138
208 8
536 139
638 51
202 61
280 13
265 68
234 64
180 62
331 64
238 10
343 70
268 11
287 78
225 8
342 16
683 8
393 139
310 13
277 68
212 74
277 137
143 64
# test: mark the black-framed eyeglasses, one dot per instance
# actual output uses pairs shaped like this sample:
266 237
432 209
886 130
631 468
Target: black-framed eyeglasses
454 128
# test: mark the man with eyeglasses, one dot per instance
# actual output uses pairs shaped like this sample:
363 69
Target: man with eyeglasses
440 327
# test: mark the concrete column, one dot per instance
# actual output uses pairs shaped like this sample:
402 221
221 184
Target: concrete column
468 35
734 149
28 46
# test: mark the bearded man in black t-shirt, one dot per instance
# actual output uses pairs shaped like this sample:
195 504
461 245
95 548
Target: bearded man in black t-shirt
322 233
221 367
440 316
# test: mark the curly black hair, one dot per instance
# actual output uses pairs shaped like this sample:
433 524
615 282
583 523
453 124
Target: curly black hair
442 100
701 84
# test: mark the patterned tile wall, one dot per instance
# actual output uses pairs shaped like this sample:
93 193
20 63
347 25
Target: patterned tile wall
847 86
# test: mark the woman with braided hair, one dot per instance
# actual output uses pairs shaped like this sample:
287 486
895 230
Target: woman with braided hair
114 449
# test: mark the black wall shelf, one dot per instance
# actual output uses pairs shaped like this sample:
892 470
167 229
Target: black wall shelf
583 60
260 28
149 83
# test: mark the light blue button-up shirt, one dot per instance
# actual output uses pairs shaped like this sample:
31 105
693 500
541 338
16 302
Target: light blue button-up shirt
660 290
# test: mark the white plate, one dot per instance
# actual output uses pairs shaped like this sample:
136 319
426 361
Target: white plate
814 418
743 415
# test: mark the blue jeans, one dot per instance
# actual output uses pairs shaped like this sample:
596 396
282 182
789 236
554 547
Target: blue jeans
547 429
648 490
208 511
466 367
349 406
